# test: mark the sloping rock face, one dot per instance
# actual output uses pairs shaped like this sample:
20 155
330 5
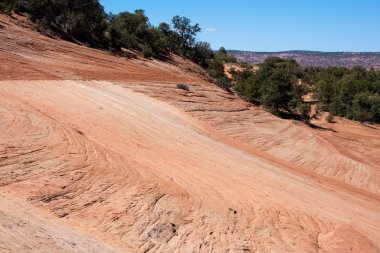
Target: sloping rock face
28 55
345 153
143 174
134 164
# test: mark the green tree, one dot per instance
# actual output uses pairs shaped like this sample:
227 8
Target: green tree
323 91
133 31
129 30
201 54
82 20
222 50
278 80
375 107
164 28
361 107
186 32
275 85
304 111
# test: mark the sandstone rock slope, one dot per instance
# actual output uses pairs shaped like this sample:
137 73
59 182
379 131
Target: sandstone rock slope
103 154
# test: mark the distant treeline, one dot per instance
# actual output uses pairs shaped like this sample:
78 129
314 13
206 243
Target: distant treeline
279 85
85 21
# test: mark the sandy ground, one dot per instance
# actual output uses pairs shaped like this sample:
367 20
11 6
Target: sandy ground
134 164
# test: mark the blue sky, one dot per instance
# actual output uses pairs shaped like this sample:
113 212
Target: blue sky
271 25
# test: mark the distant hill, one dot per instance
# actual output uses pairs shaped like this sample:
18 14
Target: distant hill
313 58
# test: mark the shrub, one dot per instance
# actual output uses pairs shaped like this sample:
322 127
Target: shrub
147 51
201 54
375 108
216 69
330 118
304 111
183 87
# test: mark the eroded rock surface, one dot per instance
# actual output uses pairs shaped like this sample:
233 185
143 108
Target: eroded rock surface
151 177
134 164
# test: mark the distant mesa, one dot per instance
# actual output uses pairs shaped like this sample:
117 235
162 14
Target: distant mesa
367 60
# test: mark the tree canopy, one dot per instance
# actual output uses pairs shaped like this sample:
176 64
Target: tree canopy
82 20
352 93
275 85
186 31
279 85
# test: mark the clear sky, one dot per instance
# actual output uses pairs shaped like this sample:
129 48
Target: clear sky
271 25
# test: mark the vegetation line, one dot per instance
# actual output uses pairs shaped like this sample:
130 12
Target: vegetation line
84 21
278 84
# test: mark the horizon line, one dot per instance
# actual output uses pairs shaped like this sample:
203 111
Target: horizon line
300 50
